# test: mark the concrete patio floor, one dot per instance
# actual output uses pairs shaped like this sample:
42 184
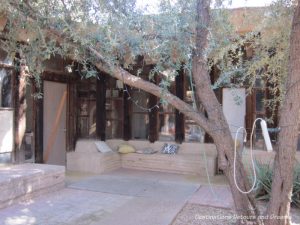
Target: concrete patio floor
121 197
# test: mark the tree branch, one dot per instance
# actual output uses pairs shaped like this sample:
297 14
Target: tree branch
202 81
131 80
200 71
134 81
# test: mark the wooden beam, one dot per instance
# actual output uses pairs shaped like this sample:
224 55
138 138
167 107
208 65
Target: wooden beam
38 125
61 77
71 117
153 115
100 107
127 110
153 119
179 117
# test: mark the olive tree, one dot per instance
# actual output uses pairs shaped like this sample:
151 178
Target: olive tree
108 35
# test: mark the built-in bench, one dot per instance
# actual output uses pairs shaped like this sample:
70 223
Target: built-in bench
86 158
188 160
24 181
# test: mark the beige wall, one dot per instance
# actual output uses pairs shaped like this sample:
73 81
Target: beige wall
6 131
235 111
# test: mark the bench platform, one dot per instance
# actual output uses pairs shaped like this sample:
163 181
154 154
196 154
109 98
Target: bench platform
188 160
24 181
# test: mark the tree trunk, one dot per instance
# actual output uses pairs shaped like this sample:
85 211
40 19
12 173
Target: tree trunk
215 125
244 204
279 206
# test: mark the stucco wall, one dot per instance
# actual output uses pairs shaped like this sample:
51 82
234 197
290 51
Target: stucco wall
6 135
234 108
6 131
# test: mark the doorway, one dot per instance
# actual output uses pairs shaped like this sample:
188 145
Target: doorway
55 100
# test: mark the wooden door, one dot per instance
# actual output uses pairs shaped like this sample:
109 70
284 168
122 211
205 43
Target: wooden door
55 96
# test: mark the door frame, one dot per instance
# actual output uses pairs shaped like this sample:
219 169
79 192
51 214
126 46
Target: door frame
61 113
39 114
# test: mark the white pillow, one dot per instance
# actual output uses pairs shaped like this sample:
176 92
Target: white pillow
102 147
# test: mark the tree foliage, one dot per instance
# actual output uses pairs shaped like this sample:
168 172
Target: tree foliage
117 29
120 32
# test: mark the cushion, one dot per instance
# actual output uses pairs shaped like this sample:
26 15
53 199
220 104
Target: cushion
146 151
124 149
169 149
102 147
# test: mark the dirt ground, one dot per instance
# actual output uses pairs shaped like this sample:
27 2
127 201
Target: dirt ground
194 214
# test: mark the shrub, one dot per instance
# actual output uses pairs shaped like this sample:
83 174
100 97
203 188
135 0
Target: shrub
264 174
296 187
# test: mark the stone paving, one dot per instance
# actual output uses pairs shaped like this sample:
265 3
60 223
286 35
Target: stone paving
123 197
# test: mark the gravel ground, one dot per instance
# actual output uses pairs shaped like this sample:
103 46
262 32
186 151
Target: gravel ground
194 214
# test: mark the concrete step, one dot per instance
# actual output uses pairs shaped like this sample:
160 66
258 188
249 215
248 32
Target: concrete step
25 181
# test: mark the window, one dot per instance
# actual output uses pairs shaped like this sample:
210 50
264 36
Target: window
193 132
259 100
259 106
5 88
166 123
86 109
140 117
114 110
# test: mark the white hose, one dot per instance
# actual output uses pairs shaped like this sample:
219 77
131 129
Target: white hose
252 161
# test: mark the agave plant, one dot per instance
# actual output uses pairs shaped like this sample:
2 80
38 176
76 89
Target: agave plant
264 174
296 187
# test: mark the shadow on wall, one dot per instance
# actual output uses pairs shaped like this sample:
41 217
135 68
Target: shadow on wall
6 135
5 88
5 158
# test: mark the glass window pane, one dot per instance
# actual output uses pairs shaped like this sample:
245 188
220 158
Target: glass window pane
114 129
142 99
5 88
140 117
259 98
86 110
113 108
167 127
193 133
167 109
140 126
